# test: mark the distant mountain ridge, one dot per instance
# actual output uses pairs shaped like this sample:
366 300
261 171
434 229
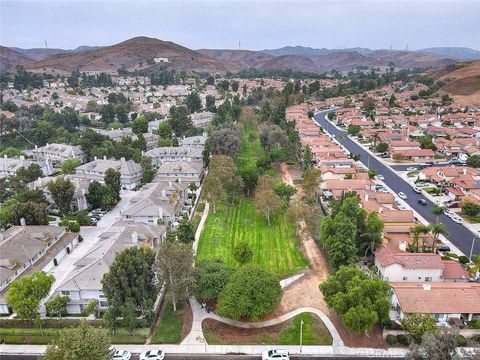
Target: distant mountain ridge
138 54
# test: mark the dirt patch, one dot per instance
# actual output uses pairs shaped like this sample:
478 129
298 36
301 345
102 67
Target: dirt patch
187 319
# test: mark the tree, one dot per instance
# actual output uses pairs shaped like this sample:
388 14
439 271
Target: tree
416 231
437 210
250 178
81 343
372 235
339 237
62 191
382 147
210 103
242 253
354 129
307 162
311 181
95 193
193 102
419 324
251 293
29 174
426 142
225 140
69 165
180 120
474 161
140 125
360 301
26 292
469 208
165 130
437 229
284 191
110 318
185 233
210 277
213 190
112 179
57 306
129 315
234 85
130 276
108 113
33 213
369 104
267 202
372 173
391 101
173 269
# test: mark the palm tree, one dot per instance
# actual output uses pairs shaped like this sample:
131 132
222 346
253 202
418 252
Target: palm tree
437 229
417 230
369 242
437 210
375 138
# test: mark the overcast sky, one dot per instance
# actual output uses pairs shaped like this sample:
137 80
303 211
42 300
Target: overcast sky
258 25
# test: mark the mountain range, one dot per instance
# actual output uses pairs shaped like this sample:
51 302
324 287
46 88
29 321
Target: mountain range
138 54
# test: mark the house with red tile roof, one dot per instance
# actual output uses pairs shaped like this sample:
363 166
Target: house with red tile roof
416 155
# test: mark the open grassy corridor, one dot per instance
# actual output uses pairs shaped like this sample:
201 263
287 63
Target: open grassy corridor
251 148
275 247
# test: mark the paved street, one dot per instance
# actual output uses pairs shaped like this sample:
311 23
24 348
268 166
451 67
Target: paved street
460 236
214 357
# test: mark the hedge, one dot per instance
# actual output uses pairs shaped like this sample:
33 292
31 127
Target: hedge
201 207
128 339
32 340
391 340
47 323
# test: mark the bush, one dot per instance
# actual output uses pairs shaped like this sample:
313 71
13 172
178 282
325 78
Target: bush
403 340
201 207
47 323
391 340
476 338
461 341
463 260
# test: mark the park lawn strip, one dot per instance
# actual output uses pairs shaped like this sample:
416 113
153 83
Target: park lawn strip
275 247
34 335
169 327
251 149
287 333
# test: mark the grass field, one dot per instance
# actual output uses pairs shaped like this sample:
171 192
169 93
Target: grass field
251 149
169 328
275 247
288 333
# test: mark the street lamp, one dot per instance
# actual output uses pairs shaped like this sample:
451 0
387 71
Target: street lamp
301 331
473 245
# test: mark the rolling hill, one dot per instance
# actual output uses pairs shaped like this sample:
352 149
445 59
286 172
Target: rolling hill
460 53
10 58
462 82
131 55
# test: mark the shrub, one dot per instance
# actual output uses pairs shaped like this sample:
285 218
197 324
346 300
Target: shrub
47 323
461 341
476 338
201 207
391 340
403 340
463 260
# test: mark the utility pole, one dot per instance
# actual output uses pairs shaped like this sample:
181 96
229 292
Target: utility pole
473 245
301 334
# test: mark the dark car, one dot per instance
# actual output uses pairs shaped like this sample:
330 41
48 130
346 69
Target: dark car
443 248
422 201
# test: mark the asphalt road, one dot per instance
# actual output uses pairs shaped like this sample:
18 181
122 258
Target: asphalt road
459 235
213 357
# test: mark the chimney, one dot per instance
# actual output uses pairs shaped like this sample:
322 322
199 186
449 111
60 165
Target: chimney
464 171
164 193
160 213
179 180
134 237
5 156
427 287
95 158
169 183
104 157
22 157
366 196
122 159
36 147
23 222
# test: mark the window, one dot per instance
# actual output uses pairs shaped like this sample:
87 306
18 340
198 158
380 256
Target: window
428 278
65 293
405 278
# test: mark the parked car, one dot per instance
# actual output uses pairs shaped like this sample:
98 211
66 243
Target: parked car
380 177
456 218
453 205
422 202
443 248
152 355
121 355
402 195
411 168
448 212
275 354
417 189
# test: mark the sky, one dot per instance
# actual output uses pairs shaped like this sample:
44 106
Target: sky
256 24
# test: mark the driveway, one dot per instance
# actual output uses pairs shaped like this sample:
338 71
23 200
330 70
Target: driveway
90 235
459 235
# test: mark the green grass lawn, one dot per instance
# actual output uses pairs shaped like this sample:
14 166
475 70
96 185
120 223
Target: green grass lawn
251 149
34 336
170 324
314 333
275 247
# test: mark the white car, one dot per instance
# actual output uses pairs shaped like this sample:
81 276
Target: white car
121 355
417 189
152 355
380 177
456 218
449 213
411 168
275 354
402 195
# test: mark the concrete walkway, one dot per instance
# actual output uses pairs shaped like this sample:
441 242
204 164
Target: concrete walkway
200 228
195 337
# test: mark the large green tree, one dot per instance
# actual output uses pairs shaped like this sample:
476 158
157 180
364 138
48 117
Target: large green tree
361 301
193 102
211 276
112 179
81 343
69 165
180 120
62 191
130 276
251 292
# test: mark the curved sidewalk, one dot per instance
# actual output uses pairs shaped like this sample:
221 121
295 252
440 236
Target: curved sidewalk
196 334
